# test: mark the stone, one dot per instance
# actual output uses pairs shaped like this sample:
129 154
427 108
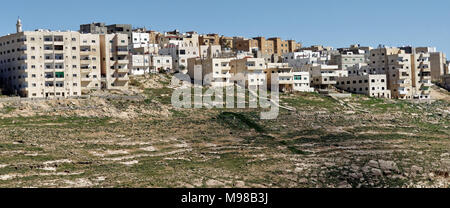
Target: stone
388 166
373 164
377 172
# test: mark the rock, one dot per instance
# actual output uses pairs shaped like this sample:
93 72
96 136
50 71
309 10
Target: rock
445 155
344 184
377 172
373 164
214 183
388 166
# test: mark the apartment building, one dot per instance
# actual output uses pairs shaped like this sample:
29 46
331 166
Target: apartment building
226 42
346 60
243 44
161 63
299 59
284 73
140 64
301 81
408 73
280 46
181 48
267 47
359 81
126 29
90 61
216 72
114 61
40 64
293 46
94 28
139 40
210 51
324 76
251 68
209 39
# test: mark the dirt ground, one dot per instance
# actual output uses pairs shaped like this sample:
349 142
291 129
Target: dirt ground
137 139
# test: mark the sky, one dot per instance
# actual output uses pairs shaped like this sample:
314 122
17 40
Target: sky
337 23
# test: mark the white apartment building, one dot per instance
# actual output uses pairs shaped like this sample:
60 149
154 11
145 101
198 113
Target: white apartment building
299 59
140 64
323 76
301 82
210 51
41 64
161 63
139 40
359 81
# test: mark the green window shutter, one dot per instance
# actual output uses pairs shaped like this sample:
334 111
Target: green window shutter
59 74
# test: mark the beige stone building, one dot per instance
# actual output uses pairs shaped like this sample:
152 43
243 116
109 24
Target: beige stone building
41 64
346 60
215 71
408 74
49 64
251 68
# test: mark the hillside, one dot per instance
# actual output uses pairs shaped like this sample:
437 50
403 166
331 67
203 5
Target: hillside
137 139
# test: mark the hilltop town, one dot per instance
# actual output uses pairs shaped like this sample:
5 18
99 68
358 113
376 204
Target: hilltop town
92 108
61 64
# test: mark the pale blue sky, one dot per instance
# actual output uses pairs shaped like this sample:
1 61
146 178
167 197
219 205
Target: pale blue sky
337 23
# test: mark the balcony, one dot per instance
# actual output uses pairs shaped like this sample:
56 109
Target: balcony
123 78
122 62
86 79
122 70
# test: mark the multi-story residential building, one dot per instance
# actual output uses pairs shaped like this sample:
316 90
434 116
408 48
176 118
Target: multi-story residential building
408 73
209 39
226 42
121 29
299 59
40 64
301 81
325 76
140 64
94 28
347 60
251 68
218 70
139 40
267 47
90 61
161 63
210 51
361 82
293 46
181 48
280 46
438 62
114 61
243 44
285 76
